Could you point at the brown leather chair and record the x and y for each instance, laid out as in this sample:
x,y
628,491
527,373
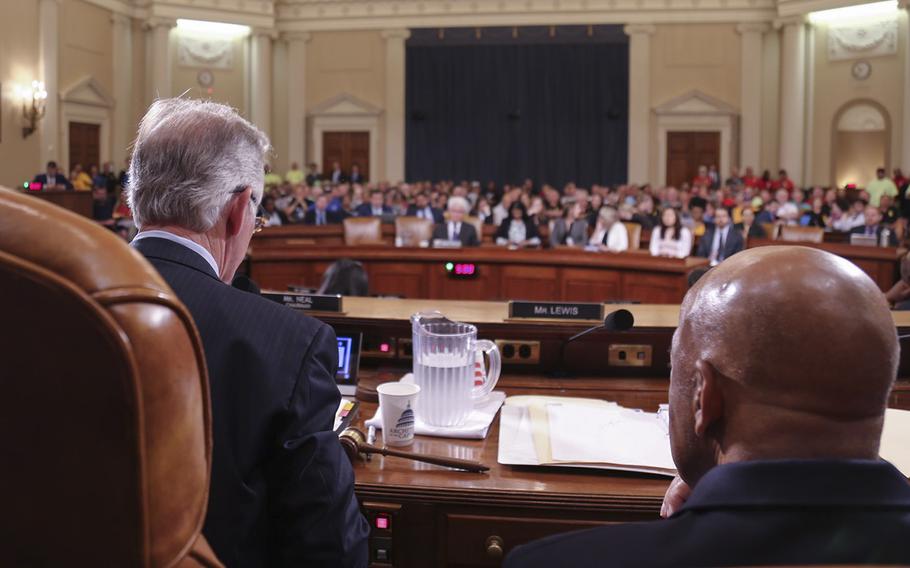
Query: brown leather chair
x,y
413,230
634,232
772,230
796,234
105,426
363,231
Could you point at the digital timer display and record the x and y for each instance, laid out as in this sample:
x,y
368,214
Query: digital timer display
x,y
461,269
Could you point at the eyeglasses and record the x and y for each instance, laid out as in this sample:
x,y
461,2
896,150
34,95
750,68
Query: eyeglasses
x,y
259,222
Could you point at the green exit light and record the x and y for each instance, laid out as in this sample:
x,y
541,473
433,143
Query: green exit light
x,y
25,185
450,266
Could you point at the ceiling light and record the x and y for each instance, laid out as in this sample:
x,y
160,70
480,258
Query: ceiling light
x,y
218,29
855,13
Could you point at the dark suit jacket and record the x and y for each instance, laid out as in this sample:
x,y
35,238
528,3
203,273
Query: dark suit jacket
x,y
756,231
331,217
861,230
282,490
357,178
732,245
438,217
467,235
42,179
756,513
366,210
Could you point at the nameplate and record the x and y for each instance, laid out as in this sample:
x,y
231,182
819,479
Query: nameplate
x,y
308,302
556,310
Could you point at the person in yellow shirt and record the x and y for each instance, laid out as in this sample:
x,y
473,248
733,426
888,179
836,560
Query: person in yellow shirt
x,y
295,175
881,185
80,179
271,178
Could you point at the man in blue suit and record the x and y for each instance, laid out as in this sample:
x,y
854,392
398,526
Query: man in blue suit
x,y
421,208
52,179
282,489
376,206
775,427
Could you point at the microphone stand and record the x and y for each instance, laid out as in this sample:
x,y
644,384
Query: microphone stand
x,y
618,320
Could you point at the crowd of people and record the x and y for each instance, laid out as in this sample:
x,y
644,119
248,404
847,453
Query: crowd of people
x,y
708,216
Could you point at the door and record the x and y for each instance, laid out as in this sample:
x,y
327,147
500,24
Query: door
x,y
348,148
688,150
85,145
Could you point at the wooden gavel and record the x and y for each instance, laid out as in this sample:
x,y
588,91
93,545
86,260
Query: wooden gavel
x,y
355,445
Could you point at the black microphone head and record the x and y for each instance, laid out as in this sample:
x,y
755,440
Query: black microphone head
x,y
246,284
619,320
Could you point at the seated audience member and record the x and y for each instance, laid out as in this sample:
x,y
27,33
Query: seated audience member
x,y
518,229
312,175
273,216
376,207
501,211
571,229
282,488
646,216
609,233
890,213
356,176
776,441
750,228
899,294
697,207
272,179
881,185
294,176
80,179
346,277
671,239
336,175
815,216
484,211
103,204
783,181
52,180
720,241
319,213
421,208
456,229
872,226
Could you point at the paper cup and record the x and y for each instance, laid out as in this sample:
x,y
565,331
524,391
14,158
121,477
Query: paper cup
x,y
397,403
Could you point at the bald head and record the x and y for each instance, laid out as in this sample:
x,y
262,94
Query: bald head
x,y
780,352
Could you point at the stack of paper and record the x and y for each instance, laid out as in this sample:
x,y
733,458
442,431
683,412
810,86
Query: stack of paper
x,y
583,433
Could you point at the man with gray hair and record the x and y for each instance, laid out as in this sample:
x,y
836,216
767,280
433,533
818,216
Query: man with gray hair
x,y
456,229
282,489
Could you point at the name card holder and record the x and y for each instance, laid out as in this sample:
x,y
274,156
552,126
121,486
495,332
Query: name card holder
x,y
307,302
565,311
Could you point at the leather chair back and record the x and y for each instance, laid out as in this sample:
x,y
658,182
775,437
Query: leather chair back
x,y
771,230
105,426
362,231
634,231
413,230
796,234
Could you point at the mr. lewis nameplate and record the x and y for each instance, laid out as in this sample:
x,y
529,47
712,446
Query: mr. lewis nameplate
x,y
308,302
556,310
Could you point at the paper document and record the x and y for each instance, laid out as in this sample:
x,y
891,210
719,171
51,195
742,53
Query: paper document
x,y
585,434
896,440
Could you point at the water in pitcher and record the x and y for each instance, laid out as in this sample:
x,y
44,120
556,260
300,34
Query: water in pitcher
x,y
446,381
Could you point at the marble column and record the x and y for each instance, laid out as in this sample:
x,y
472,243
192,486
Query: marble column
x,y
394,104
793,97
123,129
639,166
296,73
159,83
750,94
261,79
905,138
48,53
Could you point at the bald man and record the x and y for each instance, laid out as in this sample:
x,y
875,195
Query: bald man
x,y
775,424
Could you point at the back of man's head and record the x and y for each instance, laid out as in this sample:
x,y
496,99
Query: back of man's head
x,y
189,155
781,352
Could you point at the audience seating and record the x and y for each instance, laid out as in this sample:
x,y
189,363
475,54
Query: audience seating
x,y
413,230
107,451
771,230
793,233
478,224
634,231
363,231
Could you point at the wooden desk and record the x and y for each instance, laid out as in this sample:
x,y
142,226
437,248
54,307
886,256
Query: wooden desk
x,y
882,264
563,274
442,517
79,202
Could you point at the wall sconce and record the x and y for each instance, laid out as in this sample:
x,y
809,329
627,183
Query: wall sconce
x,y
33,106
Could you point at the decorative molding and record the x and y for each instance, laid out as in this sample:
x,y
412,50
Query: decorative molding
x,y
265,32
296,36
798,20
861,117
345,104
869,38
158,22
695,103
121,19
401,33
753,27
87,91
205,52
639,29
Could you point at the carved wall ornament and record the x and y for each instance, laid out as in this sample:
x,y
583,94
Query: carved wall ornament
x,y
209,53
854,40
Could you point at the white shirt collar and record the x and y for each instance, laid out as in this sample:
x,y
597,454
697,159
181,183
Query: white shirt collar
x,y
193,246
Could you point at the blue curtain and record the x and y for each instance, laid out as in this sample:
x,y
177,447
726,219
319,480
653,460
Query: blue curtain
x,y
550,112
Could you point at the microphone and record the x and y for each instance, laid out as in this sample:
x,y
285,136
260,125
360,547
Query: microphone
x,y
245,283
618,320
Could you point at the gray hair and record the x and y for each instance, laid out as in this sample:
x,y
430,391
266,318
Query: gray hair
x,y
458,201
608,215
188,158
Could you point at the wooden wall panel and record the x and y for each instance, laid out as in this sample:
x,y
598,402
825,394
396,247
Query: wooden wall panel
x,y
398,279
529,283
589,285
